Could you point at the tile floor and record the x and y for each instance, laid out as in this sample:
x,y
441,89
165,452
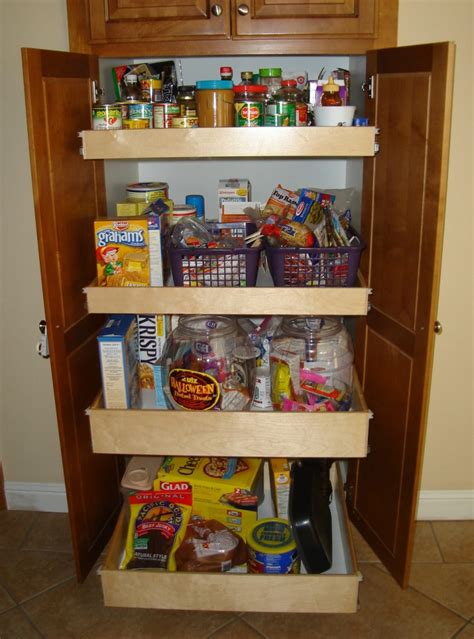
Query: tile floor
x,y
39,596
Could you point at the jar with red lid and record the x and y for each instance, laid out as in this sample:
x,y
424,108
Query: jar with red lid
x,y
249,104
297,109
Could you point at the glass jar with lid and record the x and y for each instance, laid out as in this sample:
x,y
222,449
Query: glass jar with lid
x,y
271,78
249,103
311,365
208,363
215,103
186,100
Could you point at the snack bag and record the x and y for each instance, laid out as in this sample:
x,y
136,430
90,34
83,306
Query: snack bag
x,y
158,521
281,202
209,546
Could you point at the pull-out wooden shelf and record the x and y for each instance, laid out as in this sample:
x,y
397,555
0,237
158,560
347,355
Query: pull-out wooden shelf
x,y
334,591
253,142
229,301
245,434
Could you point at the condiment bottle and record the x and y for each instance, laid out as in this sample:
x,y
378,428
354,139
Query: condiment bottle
x,y
298,110
132,88
246,77
186,100
270,77
331,96
226,73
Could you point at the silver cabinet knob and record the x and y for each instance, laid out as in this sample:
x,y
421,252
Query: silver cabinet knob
x,y
438,328
216,10
243,9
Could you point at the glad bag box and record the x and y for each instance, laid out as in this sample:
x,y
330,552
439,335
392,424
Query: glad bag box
x,y
224,488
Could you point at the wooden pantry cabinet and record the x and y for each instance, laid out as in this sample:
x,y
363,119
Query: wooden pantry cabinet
x,y
404,189
230,27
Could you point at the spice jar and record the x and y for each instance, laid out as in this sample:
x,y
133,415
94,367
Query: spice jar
x,y
215,103
311,364
249,103
208,363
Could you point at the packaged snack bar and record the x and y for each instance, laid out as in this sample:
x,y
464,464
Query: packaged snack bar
x,y
158,521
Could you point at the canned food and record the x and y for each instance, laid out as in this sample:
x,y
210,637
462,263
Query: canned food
x,y
141,111
185,122
271,548
106,116
163,113
147,191
277,119
136,124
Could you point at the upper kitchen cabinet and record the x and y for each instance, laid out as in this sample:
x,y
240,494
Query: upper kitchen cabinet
x,y
142,28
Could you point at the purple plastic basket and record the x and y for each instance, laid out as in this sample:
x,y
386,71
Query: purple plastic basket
x,y
216,267
315,266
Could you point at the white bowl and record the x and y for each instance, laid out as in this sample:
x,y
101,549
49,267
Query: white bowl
x,y
334,115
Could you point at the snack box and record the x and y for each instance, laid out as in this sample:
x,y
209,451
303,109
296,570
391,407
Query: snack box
x,y
233,190
130,209
118,362
130,251
234,211
224,488
280,485
152,333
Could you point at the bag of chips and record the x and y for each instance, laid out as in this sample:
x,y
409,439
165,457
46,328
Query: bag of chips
x,y
158,521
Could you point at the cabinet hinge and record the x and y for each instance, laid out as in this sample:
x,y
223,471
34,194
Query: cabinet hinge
x,y
349,490
369,87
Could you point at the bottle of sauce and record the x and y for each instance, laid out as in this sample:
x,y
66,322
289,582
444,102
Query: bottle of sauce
x,y
132,88
246,78
298,110
226,73
331,95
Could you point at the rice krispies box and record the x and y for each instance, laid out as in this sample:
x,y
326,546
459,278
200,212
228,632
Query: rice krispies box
x,y
130,251
152,333
224,488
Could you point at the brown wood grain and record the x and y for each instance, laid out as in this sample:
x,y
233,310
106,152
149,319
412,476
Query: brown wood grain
x,y
3,499
273,27
68,194
403,220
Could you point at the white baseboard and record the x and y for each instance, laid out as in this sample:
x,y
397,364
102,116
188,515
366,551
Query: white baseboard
x,y
445,504
28,496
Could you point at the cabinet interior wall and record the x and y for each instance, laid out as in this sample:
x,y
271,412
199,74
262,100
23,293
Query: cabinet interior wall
x,y
201,176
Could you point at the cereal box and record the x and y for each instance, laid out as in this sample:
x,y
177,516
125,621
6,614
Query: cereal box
x,y
224,488
118,362
122,251
152,333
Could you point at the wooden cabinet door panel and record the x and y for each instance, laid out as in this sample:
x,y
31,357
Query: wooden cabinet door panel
x,y
114,21
299,18
403,221
68,194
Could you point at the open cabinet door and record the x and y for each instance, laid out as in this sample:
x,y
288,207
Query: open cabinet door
x,y
68,194
403,219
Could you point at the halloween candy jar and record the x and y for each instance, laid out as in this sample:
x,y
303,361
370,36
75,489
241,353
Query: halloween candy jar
x,y
208,363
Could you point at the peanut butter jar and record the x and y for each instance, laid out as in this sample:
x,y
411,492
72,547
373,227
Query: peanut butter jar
x,y
215,103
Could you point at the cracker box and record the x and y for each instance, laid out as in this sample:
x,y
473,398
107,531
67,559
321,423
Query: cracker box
x,y
130,251
280,485
118,362
234,211
224,488
152,333
122,251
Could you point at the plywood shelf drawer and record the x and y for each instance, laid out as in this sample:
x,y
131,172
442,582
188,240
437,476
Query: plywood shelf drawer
x,y
335,591
244,434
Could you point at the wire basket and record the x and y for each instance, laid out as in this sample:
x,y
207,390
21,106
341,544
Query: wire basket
x,y
217,267
315,266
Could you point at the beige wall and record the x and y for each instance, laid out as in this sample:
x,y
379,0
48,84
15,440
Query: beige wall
x,y
28,438
449,451
30,446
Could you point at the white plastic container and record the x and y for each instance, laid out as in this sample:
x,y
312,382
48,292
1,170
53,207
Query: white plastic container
x,y
334,115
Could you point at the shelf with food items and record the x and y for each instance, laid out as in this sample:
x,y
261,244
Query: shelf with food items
x,y
252,142
254,433
334,590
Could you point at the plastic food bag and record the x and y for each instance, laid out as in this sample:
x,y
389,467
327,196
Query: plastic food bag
x,y
158,521
209,546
